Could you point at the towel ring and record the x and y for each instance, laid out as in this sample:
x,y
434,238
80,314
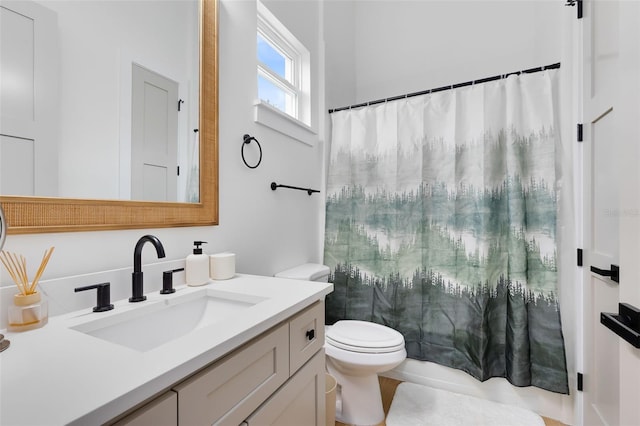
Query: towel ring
x,y
246,139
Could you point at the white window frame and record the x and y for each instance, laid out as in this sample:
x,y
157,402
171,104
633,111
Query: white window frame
x,y
291,82
297,123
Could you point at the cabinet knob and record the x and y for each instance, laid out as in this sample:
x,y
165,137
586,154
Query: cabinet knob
x,y
311,334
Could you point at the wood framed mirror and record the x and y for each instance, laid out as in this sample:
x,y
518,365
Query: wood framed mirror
x,y
29,215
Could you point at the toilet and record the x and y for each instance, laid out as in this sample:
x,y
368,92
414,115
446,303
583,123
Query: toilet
x,y
356,351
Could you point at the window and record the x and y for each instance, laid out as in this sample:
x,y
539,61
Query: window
x,y
282,68
276,77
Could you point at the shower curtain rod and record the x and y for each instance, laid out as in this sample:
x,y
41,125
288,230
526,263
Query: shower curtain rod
x,y
453,86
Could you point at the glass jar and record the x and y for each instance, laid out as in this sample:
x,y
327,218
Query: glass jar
x,y
27,312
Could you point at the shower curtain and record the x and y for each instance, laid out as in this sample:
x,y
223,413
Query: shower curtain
x,y
441,223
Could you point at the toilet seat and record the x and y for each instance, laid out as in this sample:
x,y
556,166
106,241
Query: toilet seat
x,y
364,337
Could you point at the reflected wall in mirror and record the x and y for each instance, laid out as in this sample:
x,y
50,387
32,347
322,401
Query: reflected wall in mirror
x,y
102,99
33,214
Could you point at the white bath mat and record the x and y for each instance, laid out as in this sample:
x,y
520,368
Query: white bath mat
x,y
416,405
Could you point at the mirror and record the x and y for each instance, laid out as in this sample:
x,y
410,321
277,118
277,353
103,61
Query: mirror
x,y
25,214
107,88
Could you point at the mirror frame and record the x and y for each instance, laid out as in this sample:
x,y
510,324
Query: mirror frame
x,y
31,215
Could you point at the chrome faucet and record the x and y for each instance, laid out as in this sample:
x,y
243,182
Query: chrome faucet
x,y
136,278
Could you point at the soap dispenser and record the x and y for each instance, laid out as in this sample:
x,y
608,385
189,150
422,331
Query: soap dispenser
x,y
197,266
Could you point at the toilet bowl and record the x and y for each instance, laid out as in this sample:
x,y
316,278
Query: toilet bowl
x,y
356,351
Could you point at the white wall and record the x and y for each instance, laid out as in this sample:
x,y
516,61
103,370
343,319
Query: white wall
x,y
341,57
269,231
408,46
278,229
385,48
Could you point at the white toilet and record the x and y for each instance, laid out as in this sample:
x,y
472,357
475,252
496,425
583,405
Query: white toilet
x,y
356,352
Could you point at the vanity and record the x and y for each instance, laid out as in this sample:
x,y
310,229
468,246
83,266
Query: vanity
x,y
248,351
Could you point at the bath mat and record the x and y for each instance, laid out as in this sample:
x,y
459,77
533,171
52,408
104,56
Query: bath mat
x,y
416,405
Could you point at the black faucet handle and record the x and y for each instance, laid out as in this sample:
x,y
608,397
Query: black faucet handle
x,y
167,281
103,299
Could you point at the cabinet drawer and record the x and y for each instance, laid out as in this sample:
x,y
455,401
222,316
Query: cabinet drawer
x,y
306,331
162,411
229,390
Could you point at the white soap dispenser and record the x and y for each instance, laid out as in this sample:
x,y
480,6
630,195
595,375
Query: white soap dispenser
x,y
197,266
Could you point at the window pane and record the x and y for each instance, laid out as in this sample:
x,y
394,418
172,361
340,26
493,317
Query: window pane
x,y
272,58
275,96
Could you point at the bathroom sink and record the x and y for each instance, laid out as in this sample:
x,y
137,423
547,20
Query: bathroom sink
x,y
156,323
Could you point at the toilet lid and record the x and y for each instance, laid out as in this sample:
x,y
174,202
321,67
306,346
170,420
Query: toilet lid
x,y
364,337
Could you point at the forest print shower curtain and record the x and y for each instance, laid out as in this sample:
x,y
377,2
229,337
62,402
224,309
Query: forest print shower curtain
x,y
441,223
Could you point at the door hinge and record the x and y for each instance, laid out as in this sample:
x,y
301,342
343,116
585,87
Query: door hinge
x,y
579,132
579,257
574,3
579,15
178,170
580,382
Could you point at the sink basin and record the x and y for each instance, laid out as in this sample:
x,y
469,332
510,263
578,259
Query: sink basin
x,y
156,323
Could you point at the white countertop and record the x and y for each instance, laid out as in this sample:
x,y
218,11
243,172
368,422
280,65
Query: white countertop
x,y
56,375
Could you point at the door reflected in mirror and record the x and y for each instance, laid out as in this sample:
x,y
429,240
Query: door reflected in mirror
x,y
100,99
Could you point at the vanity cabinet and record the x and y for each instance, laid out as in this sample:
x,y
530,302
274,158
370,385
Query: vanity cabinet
x,y
275,379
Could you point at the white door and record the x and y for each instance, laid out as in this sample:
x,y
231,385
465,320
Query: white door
x,y
154,136
628,126
611,207
28,99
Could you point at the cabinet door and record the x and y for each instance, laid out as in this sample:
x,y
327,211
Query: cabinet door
x,y
229,390
306,331
299,402
162,411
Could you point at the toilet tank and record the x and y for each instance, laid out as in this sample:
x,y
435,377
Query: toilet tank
x,y
307,271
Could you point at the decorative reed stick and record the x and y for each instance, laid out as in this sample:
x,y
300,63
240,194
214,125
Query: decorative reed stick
x,y
8,266
17,268
43,265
